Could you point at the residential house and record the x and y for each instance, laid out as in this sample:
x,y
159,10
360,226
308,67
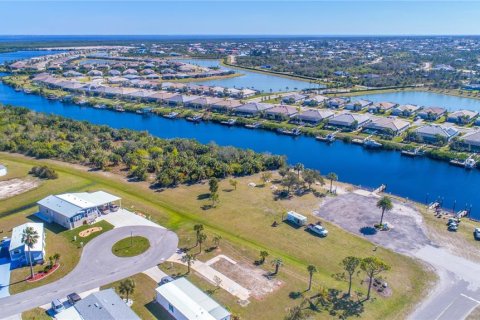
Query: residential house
x,y
358,105
405,110
252,109
71,210
337,103
382,107
280,112
162,97
225,105
435,133
202,102
349,121
313,116
184,301
293,98
179,100
104,305
469,142
94,73
19,254
388,126
462,116
432,113
317,100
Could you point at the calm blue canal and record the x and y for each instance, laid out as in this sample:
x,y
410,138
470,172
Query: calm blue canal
x,y
412,178
19,55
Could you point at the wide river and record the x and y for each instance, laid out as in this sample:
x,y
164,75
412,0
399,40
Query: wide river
x,y
420,179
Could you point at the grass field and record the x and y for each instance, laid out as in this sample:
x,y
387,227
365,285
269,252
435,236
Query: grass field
x,y
243,218
130,247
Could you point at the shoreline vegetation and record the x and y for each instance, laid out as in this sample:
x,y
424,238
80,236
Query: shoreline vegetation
x,y
442,153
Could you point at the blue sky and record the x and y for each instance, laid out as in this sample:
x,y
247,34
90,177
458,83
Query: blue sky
x,y
239,17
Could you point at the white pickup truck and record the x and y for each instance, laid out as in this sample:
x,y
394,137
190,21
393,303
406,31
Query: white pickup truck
x,y
318,229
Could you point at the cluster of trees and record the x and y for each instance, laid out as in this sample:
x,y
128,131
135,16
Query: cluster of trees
x,y
43,172
297,178
168,162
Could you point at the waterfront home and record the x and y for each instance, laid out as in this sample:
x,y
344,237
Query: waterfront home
x,y
72,86
435,133
358,105
337,103
173,86
313,116
202,102
293,98
183,300
382,107
405,110
462,116
349,121
161,96
280,112
19,251
225,105
469,142
179,100
388,126
104,304
130,71
317,100
72,210
141,95
117,80
252,109
72,74
432,113
245,93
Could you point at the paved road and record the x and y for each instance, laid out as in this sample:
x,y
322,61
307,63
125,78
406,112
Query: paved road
x,y
97,267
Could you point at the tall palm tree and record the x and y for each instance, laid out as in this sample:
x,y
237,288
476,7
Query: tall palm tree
x,y
277,262
198,228
263,256
188,259
311,270
386,205
332,176
30,238
127,287
201,239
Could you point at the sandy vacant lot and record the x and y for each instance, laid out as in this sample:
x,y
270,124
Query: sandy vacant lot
x,y
13,187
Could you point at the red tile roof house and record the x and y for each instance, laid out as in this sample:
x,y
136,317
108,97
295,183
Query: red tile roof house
x,y
202,102
382,107
280,112
225,106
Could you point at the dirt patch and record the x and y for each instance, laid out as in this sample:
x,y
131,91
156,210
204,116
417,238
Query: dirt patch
x,y
358,213
248,277
13,187
87,232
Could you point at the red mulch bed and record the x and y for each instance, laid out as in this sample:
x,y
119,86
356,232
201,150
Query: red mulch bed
x,y
39,276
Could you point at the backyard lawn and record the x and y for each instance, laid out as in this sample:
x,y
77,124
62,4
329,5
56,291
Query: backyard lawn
x,y
243,218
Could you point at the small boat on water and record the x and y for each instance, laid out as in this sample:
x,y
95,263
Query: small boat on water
x,y
27,91
119,109
357,141
468,163
329,138
371,144
52,97
144,111
253,125
196,118
417,152
229,122
171,115
82,101
293,132
100,106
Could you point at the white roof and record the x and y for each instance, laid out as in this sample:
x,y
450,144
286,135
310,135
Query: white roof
x,y
296,215
17,233
191,301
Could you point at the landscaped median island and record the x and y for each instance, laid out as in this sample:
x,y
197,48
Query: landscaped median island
x,y
130,247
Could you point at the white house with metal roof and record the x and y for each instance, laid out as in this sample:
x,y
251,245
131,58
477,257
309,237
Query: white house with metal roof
x,y
184,301
75,209
19,251
104,305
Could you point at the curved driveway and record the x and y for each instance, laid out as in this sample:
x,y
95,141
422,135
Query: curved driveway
x,y
97,267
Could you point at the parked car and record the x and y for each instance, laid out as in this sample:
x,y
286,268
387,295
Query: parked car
x,y
73,298
453,226
166,279
57,306
318,229
476,233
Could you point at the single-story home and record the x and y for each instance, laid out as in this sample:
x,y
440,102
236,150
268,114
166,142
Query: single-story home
x,y
469,142
313,116
337,103
293,98
183,301
225,105
202,102
280,112
19,251
462,116
315,100
432,133
71,210
252,109
179,100
405,110
162,97
105,305
358,105
349,120
432,113
389,126
382,107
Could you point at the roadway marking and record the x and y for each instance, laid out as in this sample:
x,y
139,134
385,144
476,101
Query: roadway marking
x,y
444,310
464,295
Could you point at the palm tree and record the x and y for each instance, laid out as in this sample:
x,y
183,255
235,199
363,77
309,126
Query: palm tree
x,y
332,176
127,287
386,205
30,238
56,257
188,259
216,240
311,270
198,228
299,168
263,256
201,239
277,262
